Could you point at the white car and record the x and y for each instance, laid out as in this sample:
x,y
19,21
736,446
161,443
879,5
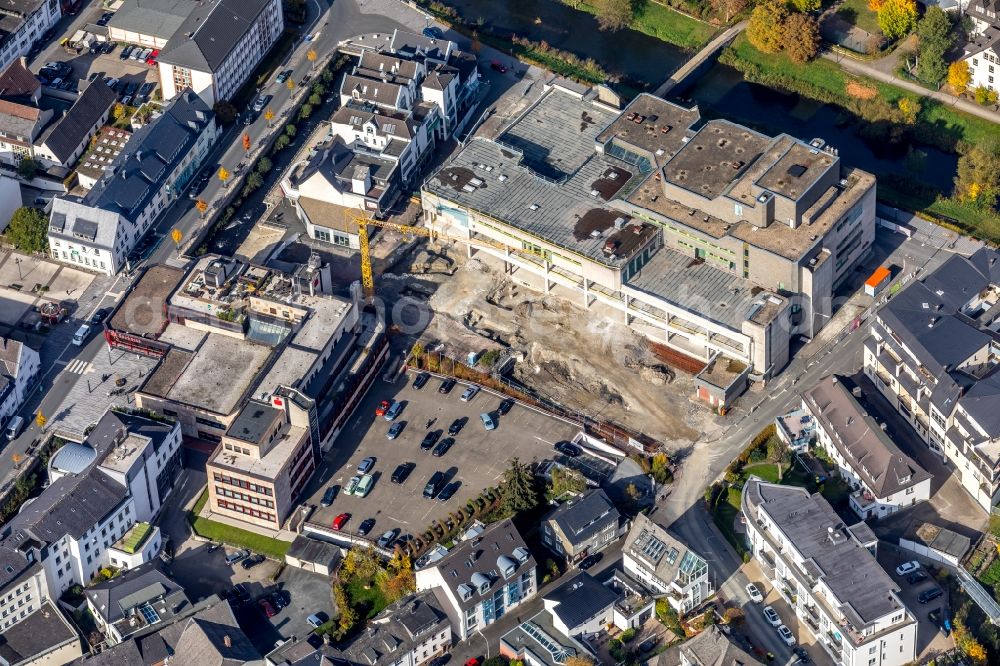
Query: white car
x,y
469,393
785,634
315,621
906,568
771,616
754,594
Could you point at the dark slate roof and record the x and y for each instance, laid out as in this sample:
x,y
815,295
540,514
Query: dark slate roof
x,y
114,598
579,599
70,131
412,45
313,550
35,635
160,18
210,33
125,653
71,505
582,517
396,631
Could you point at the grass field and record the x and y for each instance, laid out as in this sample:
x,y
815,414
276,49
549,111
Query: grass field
x,y
856,12
666,24
767,471
234,536
366,597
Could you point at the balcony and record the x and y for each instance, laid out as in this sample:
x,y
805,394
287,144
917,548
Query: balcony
x,y
863,501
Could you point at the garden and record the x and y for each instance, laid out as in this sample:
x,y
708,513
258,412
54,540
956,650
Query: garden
x,y
234,536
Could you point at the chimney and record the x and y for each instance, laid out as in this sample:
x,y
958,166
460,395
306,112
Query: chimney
x,y
227,641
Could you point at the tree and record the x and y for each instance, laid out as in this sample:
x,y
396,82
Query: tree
x,y
575,660
518,490
225,113
806,5
984,95
255,180
659,467
633,492
224,175
959,76
305,111
311,55
801,37
910,109
269,116
897,18
613,15
290,130
40,419
281,142
875,5
766,29
315,99
27,168
28,230
176,235
290,84
264,165
728,8
246,142
347,615
201,205
978,176
936,37
119,111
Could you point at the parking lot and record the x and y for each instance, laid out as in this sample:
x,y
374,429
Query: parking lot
x,y
477,459
930,637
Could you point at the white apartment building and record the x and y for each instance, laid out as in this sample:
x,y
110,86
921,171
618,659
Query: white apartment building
x,y
482,579
19,366
218,46
884,478
827,572
98,231
666,566
933,352
982,53
22,23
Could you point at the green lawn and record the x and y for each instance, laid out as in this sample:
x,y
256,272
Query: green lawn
x,y
234,536
857,13
725,515
665,24
367,601
766,471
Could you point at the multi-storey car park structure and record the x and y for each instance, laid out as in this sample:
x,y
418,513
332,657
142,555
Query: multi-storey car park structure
x,y
828,573
933,352
711,238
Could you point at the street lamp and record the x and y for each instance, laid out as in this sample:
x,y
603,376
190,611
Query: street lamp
x,y
18,260
481,635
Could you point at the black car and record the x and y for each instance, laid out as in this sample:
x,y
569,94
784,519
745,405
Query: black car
x,y
330,495
434,484
449,491
278,600
929,595
590,560
446,386
505,406
366,526
240,595
421,380
402,471
131,88
100,316
443,447
802,654
567,449
457,425
916,577
252,561
430,439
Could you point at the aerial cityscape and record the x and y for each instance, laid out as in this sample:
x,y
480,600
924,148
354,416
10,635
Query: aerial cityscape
x,y
499,333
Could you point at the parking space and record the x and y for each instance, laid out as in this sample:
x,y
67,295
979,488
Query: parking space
x,y
930,636
203,571
476,459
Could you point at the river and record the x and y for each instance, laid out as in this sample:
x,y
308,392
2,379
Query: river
x,y
646,62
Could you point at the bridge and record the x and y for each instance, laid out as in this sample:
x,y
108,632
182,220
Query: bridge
x,y
706,55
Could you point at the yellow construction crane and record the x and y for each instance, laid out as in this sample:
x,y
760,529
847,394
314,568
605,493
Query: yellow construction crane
x,y
364,220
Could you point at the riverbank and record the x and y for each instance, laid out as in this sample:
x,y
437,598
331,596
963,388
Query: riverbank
x,y
664,23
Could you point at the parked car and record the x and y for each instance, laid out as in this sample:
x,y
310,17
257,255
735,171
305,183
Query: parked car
x,y
785,634
278,600
352,484
590,561
488,421
394,411
442,447
754,593
929,595
126,100
446,386
771,616
382,408
430,439
907,568
567,449
366,526
432,32
341,520
421,380
469,393
261,102
916,577
283,76
366,465
105,17
236,556
241,594
126,52
498,66
316,620
252,561
433,486
505,406
364,485
99,316
387,538
395,429
267,608
457,425
449,491
402,471
329,496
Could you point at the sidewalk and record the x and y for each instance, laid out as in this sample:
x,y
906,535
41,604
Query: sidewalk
x,y
865,69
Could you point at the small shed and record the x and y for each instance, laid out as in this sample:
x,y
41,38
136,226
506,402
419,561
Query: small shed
x,y
310,554
877,281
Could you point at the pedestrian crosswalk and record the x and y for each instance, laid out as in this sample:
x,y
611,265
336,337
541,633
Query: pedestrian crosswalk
x,y
79,367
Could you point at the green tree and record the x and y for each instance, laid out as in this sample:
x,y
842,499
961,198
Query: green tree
x,y
305,111
936,37
225,113
659,467
897,18
255,180
766,29
978,176
806,5
281,142
518,490
27,168
614,14
264,165
28,230
290,130
801,37
315,99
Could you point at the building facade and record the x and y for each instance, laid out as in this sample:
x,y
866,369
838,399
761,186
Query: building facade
x,y
24,23
828,574
666,566
582,526
19,365
982,53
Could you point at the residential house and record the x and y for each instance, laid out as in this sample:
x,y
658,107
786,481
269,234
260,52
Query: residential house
x,y
711,647
582,526
218,46
22,118
482,579
884,479
98,231
982,52
68,138
23,23
44,637
19,365
135,600
666,566
581,606
827,572
933,354
536,641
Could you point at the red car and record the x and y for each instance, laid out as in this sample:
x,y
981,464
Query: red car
x,y
499,66
382,408
268,609
340,521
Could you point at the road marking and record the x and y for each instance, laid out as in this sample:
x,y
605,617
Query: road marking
x,y
80,367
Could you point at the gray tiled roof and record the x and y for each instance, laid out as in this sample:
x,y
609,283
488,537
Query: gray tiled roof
x,y
159,18
582,517
210,33
71,505
709,648
42,631
69,132
655,548
396,631
114,598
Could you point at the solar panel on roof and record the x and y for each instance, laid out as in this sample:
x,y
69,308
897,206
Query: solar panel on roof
x,y
149,613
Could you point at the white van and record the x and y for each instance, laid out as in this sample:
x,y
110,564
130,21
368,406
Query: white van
x,y
81,335
14,427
